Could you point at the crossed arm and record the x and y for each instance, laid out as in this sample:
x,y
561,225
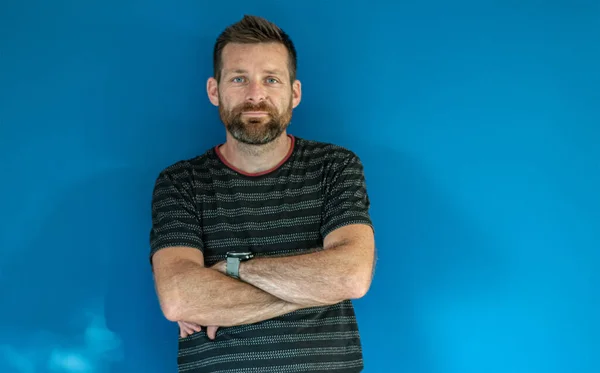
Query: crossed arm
x,y
268,287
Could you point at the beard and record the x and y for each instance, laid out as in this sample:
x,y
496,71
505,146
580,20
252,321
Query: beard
x,y
255,131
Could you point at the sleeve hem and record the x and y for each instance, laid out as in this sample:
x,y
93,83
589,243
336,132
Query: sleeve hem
x,y
345,223
157,248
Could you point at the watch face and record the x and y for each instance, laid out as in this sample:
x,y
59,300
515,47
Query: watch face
x,y
243,255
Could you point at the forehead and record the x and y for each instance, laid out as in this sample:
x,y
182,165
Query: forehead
x,y
259,55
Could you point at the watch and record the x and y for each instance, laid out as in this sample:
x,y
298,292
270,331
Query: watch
x,y
233,262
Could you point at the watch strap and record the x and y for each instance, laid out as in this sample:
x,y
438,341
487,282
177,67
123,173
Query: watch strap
x,y
233,267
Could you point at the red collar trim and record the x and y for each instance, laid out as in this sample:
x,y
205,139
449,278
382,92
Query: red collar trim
x,y
287,156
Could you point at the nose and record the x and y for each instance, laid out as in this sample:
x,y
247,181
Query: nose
x,y
255,92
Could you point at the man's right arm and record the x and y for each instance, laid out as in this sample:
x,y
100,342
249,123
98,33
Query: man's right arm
x,y
188,291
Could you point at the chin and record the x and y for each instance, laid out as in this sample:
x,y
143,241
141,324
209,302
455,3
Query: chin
x,y
256,138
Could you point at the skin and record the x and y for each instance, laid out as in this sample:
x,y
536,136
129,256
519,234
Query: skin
x,y
255,98
255,75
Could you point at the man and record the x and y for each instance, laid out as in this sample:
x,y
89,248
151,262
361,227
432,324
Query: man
x,y
259,244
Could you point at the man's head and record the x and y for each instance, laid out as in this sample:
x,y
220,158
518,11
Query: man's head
x,y
254,83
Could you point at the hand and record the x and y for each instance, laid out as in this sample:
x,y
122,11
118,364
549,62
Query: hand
x,y
187,328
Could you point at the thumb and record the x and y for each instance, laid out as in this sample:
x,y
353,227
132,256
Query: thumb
x,y
212,331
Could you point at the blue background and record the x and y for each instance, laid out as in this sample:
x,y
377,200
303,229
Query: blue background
x,y
478,124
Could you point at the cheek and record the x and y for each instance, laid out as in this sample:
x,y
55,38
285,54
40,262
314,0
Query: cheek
x,y
286,102
225,102
231,99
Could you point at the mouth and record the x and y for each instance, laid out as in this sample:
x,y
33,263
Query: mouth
x,y
255,113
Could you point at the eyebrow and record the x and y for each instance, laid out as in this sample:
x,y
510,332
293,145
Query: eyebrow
x,y
274,72
242,71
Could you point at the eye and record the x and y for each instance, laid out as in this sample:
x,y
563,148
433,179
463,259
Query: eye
x,y
238,79
272,80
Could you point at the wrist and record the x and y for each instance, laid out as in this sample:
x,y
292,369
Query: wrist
x,y
234,261
220,267
242,269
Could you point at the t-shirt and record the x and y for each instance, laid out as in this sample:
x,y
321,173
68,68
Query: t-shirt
x,y
208,204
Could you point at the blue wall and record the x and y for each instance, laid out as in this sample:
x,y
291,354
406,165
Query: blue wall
x,y
478,124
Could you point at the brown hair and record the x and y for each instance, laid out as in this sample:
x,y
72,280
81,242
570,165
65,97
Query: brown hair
x,y
253,29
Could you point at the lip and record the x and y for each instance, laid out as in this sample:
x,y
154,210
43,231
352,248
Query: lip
x,y
255,113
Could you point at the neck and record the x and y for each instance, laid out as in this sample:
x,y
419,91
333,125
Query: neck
x,y
255,158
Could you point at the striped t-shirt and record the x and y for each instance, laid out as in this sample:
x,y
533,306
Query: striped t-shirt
x,y
207,204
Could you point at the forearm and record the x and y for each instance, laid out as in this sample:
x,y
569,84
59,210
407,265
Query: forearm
x,y
206,297
319,278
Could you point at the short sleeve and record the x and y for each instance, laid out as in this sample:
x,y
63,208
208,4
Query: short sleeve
x,y
346,200
175,219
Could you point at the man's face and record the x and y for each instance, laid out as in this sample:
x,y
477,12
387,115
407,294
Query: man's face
x,y
255,96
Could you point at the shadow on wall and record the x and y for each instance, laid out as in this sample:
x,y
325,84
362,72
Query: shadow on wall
x,y
430,255
82,298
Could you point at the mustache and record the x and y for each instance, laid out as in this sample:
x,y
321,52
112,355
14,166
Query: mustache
x,y
261,106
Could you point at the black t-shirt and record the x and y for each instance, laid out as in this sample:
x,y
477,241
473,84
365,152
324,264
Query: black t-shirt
x,y
206,203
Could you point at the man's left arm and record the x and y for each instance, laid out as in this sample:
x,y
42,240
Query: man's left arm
x,y
343,268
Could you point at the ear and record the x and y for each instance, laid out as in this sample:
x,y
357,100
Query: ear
x,y
296,93
212,89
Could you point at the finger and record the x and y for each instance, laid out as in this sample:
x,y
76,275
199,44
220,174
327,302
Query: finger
x,y
193,326
182,332
189,330
212,331
197,327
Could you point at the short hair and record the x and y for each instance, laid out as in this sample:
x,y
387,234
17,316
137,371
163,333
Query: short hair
x,y
249,30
